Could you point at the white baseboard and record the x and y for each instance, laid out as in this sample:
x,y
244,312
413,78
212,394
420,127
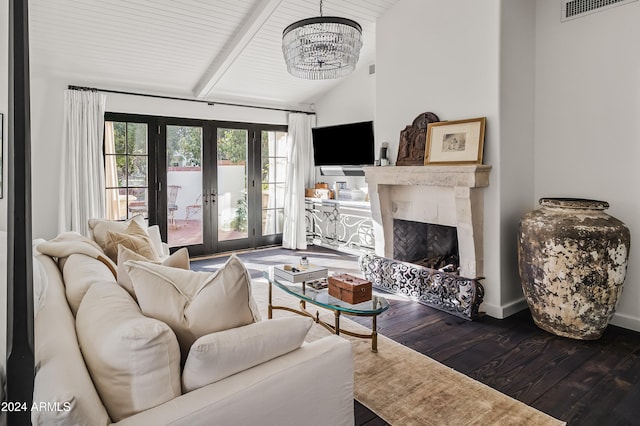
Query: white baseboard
x,y
503,311
625,321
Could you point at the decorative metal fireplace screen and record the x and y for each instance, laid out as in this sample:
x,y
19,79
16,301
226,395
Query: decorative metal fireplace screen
x,y
441,290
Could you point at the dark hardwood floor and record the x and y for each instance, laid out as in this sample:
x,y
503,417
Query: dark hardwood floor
x,y
580,382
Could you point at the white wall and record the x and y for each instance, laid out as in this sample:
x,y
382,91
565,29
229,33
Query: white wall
x,y
587,126
516,172
351,101
47,111
444,57
437,56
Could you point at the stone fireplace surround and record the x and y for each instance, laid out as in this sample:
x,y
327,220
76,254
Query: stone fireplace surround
x,y
450,195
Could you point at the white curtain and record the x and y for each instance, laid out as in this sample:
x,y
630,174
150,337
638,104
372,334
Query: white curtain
x,y
82,181
300,174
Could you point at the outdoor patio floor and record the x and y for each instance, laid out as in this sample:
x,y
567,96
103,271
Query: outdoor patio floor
x,y
185,234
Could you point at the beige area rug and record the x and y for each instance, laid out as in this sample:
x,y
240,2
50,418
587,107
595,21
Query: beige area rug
x,y
405,387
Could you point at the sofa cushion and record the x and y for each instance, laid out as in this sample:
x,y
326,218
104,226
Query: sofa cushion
x,y
81,272
218,355
134,360
179,259
134,238
195,303
68,243
61,378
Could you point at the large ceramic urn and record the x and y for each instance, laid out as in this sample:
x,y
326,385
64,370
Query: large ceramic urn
x,y
572,260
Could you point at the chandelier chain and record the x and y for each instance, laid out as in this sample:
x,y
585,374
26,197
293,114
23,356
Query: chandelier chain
x,y
321,8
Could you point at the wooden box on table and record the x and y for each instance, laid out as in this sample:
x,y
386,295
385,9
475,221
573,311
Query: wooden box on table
x,y
349,288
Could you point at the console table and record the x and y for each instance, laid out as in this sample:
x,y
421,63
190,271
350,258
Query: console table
x,y
340,224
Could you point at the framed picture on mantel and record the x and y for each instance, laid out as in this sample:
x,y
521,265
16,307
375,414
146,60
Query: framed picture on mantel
x,y
455,142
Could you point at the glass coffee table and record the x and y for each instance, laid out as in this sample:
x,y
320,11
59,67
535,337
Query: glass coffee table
x,y
371,308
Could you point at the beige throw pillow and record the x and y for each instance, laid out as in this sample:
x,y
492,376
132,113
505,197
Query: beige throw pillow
x,y
194,303
218,355
134,361
98,228
179,259
156,239
135,238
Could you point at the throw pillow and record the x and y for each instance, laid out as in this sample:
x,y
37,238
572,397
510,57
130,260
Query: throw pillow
x,y
80,272
179,259
161,248
194,303
218,355
98,228
134,238
134,360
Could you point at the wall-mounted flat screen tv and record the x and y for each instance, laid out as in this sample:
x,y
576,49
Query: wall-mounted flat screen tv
x,y
344,145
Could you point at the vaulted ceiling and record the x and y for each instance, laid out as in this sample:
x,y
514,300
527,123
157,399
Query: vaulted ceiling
x,y
225,50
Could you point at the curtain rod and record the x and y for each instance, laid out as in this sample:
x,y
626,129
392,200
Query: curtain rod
x,y
212,103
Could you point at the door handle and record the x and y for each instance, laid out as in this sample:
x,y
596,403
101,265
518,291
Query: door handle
x,y
212,196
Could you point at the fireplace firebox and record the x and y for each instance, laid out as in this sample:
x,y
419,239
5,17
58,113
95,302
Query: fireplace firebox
x,y
426,244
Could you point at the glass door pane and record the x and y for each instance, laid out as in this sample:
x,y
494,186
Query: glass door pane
x,y
126,169
274,169
184,186
232,199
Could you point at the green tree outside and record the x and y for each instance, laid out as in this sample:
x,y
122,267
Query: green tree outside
x,y
184,145
232,145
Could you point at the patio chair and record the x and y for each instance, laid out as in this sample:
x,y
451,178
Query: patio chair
x,y
194,210
172,196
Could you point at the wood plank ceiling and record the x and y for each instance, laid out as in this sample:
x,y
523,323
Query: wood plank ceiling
x,y
225,50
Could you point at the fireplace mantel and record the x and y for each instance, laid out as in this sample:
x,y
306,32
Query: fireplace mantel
x,y
443,195
470,176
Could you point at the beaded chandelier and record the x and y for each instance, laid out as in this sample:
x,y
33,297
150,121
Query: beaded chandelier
x,y
321,48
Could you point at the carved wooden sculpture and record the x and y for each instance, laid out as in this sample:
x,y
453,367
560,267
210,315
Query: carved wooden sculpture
x,y
413,140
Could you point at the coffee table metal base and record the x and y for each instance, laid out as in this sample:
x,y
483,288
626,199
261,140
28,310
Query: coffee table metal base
x,y
335,327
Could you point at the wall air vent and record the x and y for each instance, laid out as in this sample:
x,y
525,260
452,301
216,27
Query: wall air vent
x,y
572,9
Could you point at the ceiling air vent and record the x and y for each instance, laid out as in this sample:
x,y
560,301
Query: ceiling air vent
x,y
572,9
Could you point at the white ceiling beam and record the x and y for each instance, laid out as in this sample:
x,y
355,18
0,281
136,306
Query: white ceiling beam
x,y
230,53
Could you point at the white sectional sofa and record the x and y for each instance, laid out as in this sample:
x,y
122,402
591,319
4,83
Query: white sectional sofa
x,y
311,384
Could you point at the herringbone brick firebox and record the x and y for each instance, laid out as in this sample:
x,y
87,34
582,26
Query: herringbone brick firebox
x,y
426,244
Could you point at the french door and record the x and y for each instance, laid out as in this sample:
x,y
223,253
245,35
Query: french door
x,y
223,185
211,186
